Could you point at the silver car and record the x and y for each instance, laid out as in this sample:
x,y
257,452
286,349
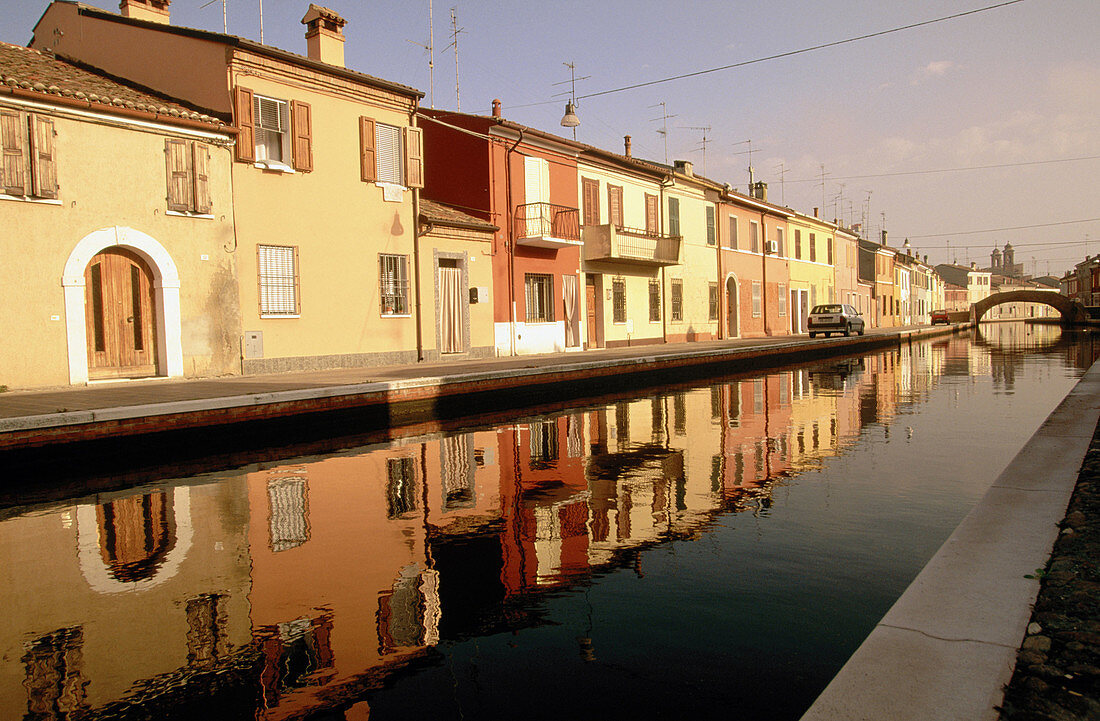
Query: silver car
x,y
834,318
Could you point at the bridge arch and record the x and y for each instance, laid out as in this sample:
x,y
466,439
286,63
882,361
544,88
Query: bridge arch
x,y
1072,311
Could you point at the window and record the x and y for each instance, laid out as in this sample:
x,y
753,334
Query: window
x,y
615,204
272,118
618,300
278,273
782,250
393,274
652,219
757,299
674,217
401,494
733,232
712,232
712,296
677,300
273,132
391,155
188,165
654,300
829,251
540,297
813,248
797,244
28,167
754,236
590,197
782,300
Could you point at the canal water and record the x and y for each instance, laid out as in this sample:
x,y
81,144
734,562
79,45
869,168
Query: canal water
x,y
715,550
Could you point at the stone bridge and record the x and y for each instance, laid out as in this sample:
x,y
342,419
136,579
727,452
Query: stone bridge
x,y
1071,309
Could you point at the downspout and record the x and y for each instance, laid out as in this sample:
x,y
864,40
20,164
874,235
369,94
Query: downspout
x,y
416,250
764,268
721,282
665,183
511,243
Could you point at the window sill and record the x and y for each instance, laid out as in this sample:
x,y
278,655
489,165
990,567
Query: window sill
x,y
397,315
179,214
276,316
274,166
539,322
31,199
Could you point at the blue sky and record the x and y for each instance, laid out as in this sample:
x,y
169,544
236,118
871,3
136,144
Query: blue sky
x,y
905,124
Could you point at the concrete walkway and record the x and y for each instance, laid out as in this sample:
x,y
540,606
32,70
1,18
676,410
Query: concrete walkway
x,y
947,648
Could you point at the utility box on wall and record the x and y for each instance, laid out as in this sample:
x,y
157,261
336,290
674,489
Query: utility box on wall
x,y
253,344
479,294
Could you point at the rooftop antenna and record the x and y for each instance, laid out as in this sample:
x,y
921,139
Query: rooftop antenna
x,y
261,22
823,175
225,16
782,169
455,30
570,119
705,129
430,47
749,142
663,130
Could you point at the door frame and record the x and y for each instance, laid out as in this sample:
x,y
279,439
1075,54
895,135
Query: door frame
x,y
166,295
733,306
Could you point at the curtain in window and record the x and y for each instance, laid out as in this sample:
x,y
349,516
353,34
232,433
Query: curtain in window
x,y
569,291
450,310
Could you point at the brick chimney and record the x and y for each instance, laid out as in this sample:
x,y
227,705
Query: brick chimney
x,y
324,35
152,10
626,146
816,211
496,107
683,166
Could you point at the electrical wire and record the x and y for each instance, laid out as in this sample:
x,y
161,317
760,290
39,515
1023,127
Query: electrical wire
x,y
947,170
999,230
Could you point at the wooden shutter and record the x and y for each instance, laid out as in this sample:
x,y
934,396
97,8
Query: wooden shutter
x,y
246,132
414,157
177,155
368,153
615,204
13,133
591,190
712,231
201,175
301,124
652,222
44,166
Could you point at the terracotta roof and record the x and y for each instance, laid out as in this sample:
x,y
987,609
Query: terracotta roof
x,y
38,72
435,212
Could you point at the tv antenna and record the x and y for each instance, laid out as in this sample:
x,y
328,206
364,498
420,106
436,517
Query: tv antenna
x,y
455,30
663,130
705,129
782,170
225,17
430,47
749,151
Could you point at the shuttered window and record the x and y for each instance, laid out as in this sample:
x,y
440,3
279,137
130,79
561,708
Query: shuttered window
x,y
654,300
733,232
28,167
591,193
712,298
279,284
712,232
387,144
652,215
272,122
757,299
393,272
273,132
188,169
674,217
676,302
414,158
615,205
797,244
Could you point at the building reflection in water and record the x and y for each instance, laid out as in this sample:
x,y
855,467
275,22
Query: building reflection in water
x,y
305,584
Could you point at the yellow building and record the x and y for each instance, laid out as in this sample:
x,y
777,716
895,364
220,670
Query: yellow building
x,y
125,199
691,287
327,163
812,273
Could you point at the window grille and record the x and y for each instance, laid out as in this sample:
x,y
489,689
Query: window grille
x,y
757,299
540,295
713,301
618,299
394,279
677,300
655,300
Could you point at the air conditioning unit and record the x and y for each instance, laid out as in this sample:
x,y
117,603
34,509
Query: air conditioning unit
x,y
771,247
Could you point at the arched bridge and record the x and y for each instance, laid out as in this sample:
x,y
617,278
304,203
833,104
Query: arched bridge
x,y
1071,309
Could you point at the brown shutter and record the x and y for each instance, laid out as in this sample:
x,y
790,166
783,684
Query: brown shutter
x,y
368,154
414,157
13,133
591,201
302,127
44,166
297,284
246,133
201,176
652,222
177,155
615,205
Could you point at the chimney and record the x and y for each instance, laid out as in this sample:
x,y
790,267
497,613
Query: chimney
x,y
884,237
152,10
626,146
973,265
324,35
683,166
926,258
816,211
496,107
759,190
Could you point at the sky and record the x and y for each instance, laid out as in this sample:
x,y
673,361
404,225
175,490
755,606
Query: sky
x,y
960,135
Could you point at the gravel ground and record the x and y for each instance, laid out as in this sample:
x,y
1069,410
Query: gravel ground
x,y
1057,676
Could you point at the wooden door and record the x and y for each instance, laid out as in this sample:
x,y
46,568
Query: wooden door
x,y
120,316
591,316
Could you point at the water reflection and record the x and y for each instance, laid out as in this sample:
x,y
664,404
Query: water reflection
x,y
288,588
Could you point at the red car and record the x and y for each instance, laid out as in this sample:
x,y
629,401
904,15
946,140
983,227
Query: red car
x,y
940,316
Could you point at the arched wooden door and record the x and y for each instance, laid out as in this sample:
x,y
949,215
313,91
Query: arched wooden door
x,y
120,314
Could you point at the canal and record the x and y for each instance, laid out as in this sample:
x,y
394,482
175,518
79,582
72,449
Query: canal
x,y
712,550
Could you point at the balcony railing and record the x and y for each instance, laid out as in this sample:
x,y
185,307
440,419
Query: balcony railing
x,y
630,245
546,225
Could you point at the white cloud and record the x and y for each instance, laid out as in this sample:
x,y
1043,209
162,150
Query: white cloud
x,y
934,69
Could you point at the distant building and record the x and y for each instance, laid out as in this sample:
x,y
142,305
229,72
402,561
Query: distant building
x,y
1004,263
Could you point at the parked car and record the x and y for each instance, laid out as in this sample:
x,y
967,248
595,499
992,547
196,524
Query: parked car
x,y
940,316
834,318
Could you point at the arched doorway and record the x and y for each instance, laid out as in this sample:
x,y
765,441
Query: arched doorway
x,y
731,307
120,315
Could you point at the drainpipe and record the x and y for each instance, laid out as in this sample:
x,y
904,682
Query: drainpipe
x,y
764,268
721,280
665,183
416,253
511,243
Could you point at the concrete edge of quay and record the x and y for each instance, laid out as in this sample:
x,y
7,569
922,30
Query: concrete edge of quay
x,y
51,429
947,648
